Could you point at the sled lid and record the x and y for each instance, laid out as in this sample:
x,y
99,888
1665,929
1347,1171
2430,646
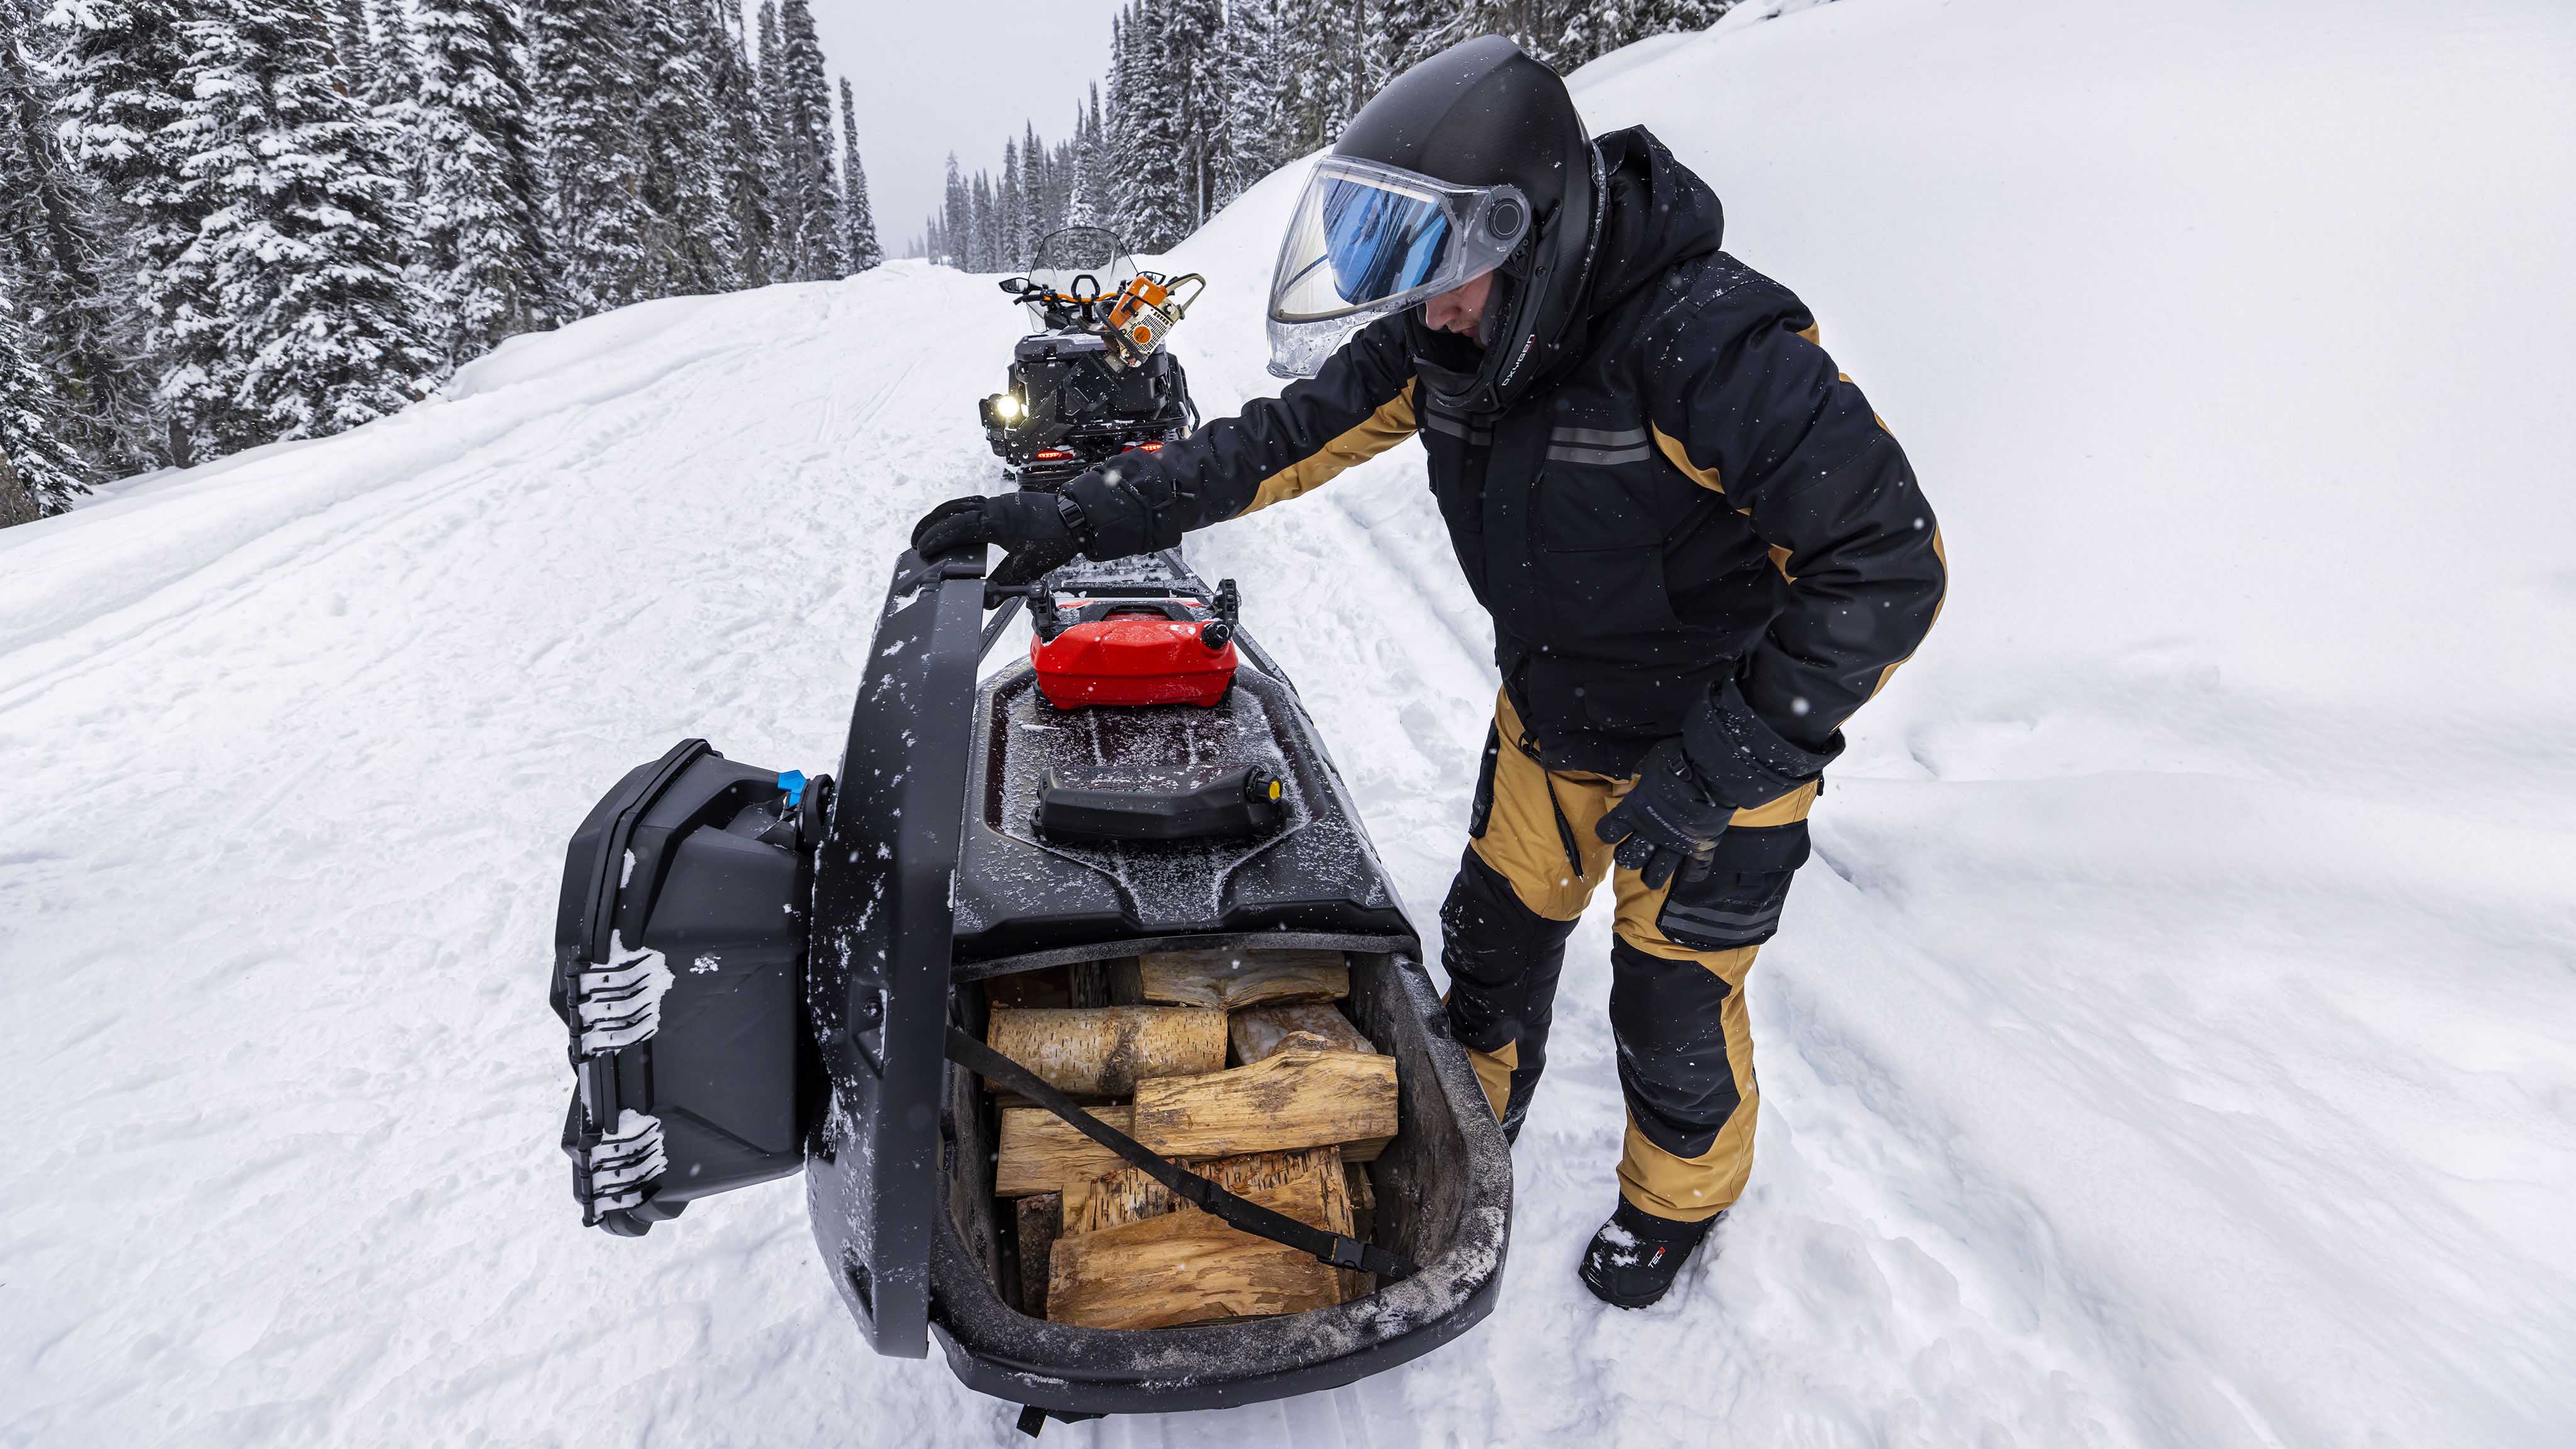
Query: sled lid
x,y
877,975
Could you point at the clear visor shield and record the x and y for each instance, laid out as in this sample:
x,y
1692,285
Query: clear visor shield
x,y
1367,240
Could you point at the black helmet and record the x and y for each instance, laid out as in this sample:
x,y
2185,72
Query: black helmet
x,y
1471,161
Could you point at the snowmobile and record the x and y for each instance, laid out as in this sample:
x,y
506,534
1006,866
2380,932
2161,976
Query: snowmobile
x,y
1094,380
763,972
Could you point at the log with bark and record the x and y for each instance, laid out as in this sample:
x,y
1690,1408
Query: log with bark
x,y
1230,979
1104,1051
1261,1031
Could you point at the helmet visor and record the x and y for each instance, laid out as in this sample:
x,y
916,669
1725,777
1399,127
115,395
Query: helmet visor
x,y
1370,238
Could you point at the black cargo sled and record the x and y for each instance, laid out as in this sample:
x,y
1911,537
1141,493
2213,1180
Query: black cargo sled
x,y
761,972
1094,380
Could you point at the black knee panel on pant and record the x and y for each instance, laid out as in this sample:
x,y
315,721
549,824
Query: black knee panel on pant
x,y
1673,1068
1503,961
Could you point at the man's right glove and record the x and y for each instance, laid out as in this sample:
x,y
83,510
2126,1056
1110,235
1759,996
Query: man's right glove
x,y
1035,527
1667,819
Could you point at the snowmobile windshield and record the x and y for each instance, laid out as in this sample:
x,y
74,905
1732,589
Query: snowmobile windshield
x,y
1368,240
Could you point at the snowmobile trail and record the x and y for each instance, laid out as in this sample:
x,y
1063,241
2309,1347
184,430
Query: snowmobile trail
x,y
2173,1048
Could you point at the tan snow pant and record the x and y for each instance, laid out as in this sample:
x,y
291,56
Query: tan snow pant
x,y
1677,1005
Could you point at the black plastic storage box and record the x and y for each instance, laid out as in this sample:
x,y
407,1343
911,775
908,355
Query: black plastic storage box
x,y
928,876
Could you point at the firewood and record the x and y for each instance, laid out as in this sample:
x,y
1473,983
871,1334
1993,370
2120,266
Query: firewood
x,y
1243,978
1262,1030
1187,1267
1129,1196
1291,1099
1090,983
1105,1050
1041,1152
1040,1223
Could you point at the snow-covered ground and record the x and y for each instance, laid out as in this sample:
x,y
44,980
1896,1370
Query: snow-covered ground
x,y
2174,1043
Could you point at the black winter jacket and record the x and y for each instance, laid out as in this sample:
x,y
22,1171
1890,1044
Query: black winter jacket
x,y
1695,527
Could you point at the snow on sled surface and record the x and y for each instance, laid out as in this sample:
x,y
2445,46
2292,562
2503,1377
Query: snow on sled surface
x,y
2170,1045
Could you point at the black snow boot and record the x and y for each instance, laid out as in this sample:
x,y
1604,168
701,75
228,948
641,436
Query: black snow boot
x,y
1635,1257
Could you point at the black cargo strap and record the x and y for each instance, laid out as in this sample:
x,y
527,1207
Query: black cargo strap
x,y
1188,1186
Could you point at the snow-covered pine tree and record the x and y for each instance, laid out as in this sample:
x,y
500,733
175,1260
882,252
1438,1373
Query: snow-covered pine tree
x,y
1083,195
1118,143
739,158
41,472
1255,88
392,73
690,244
773,105
482,202
1155,195
586,84
1173,179
389,88
313,326
818,236
1588,31
865,251
1036,181
1096,189
349,36
1011,205
983,252
956,219
1193,64
117,97
62,269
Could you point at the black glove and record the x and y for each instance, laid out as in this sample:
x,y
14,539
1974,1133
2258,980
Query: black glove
x,y
1668,819
1033,526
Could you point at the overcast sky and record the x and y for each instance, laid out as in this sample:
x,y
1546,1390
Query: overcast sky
x,y
935,76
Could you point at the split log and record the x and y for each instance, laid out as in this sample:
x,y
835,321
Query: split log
x,y
1090,983
1041,1221
1292,1099
1263,1030
1129,1196
1104,1051
1187,1267
1126,982
1040,1152
1230,979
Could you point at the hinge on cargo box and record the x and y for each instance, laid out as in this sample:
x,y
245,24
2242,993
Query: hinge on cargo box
x,y
624,1162
619,1002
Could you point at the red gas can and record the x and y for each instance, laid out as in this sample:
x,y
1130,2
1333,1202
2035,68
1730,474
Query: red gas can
x,y
1132,653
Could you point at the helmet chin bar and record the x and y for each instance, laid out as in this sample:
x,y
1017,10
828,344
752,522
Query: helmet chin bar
x,y
1300,349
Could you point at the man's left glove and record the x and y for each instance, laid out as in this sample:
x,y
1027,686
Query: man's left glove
x,y
1037,528
1667,820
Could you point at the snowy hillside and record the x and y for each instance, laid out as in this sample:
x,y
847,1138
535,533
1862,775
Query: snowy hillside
x,y
2173,1043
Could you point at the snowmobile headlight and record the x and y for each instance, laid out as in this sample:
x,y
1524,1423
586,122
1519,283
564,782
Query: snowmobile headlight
x,y
1007,407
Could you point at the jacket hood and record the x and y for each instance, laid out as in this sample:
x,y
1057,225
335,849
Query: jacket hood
x,y
1656,214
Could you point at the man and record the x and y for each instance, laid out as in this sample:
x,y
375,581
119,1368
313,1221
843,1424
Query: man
x,y
1701,550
